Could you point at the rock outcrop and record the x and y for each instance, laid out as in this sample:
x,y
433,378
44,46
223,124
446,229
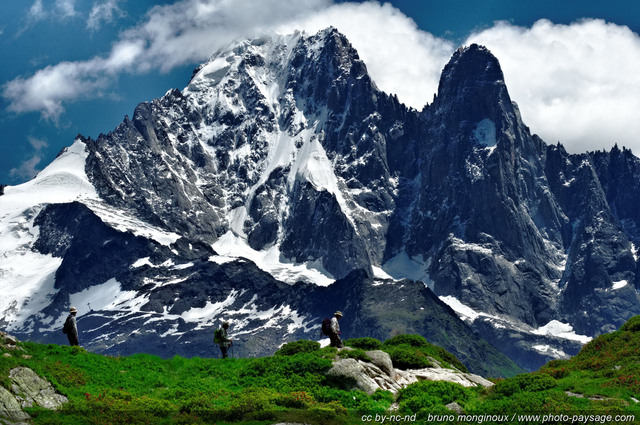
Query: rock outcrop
x,y
27,389
380,374
30,389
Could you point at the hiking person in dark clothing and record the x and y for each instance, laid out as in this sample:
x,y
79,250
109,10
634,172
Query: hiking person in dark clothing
x,y
70,328
222,339
334,335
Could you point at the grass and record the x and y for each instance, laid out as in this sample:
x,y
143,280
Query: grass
x,y
604,378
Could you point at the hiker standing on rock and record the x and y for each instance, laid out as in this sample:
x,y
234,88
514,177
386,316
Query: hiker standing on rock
x,y
70,328
221,338
334,335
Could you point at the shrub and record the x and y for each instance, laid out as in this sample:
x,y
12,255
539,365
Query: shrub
x,y
429,396
66,375
412,340
356,353
528,382
408,357
252,400
364,343
295,347
420,347
632,325
296,400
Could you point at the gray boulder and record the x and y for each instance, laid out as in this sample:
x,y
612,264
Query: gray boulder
x,y
10,407
383,361
30,389
351,370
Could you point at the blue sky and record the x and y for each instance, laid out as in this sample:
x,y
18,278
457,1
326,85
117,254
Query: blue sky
x,y
78,66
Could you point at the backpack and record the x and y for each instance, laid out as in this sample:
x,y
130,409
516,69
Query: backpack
x,y
326,327
66,329
217,336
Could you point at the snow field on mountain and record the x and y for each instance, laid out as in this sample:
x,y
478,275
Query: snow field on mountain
x,y
232,246
27,277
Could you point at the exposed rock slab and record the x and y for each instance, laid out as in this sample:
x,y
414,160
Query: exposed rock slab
x,y
10,407
31,389
380,374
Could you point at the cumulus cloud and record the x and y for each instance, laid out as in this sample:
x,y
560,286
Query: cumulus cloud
x,y
48,88
103,12
400,57
578,84
29,168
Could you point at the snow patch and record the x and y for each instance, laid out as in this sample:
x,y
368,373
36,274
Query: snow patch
x,y
463,311
550,351
271,261
209,312
401,266
27,283
62,181
142,262
125,223
561,330
464,246
619,284
107,296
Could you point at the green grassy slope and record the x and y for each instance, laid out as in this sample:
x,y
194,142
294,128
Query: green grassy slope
x,y
602,381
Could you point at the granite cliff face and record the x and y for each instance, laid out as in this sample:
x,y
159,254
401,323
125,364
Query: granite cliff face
x,y
281,184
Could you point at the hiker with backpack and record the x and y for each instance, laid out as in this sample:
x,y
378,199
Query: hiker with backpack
x,y
70,328
221,338
331,328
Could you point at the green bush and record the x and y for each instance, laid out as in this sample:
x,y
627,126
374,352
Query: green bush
x,y
295,347
529,382
296,400
254,400
421,348
632,325
429,396
364,343
408,357
66,375
356,353
412,340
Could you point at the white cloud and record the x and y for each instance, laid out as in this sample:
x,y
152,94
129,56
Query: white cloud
x,y
401,58
36,12
103,12
48,88
66,8
29,168
578,84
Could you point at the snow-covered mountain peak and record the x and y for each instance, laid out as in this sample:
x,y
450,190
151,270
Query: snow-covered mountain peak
x,y
282,162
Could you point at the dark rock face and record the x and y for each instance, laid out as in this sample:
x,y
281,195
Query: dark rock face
x,y
285,148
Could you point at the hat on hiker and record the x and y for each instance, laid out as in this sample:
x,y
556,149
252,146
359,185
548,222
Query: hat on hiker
x,y
225,324
73,310
338,313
